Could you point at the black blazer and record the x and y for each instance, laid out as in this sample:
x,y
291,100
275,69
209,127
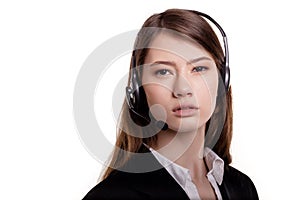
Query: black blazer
x,y
159,184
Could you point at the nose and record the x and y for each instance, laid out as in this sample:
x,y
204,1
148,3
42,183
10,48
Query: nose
x,y
182,88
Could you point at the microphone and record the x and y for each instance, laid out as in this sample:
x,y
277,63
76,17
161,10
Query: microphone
x,y
158,123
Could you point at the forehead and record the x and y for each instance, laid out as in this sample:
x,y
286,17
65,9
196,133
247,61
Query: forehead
x,y
167,44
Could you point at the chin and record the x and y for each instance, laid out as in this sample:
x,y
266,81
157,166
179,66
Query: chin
x,y
186,125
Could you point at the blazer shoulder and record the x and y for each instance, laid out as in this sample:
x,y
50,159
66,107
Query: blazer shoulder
x,y
145,184
149,185
237,185
114,186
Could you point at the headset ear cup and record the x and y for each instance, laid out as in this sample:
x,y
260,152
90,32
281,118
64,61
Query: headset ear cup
x,y
142,106
225,73
227,78
137,101
135,85
129,97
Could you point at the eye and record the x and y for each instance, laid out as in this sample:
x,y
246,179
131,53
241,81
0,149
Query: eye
x,y
162,72
199,69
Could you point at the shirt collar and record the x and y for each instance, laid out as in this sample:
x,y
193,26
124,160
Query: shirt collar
x,y
214,164
177,171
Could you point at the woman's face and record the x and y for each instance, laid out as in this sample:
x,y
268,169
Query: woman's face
x,y
180,80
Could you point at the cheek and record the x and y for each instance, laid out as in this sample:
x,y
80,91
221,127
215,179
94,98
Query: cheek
x,y
206,102
206,93
155,94
157,98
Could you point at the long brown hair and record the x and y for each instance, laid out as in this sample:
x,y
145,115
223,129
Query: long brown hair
x,y
194,26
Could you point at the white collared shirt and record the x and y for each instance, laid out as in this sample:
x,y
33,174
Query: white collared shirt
x,y
182,175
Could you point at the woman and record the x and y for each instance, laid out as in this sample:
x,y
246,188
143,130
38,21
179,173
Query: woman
x,y
175,129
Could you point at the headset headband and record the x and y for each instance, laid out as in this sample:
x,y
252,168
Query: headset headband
x,y
226,75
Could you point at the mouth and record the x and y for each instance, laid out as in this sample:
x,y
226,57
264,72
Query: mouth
x,y
185,110
184,107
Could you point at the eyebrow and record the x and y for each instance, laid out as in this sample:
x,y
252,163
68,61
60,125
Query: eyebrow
x,y
199,59
172,63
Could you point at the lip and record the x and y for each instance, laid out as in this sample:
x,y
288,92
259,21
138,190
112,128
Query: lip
x,y
185,110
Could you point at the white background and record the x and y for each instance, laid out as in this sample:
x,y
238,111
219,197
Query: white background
x,y
44,44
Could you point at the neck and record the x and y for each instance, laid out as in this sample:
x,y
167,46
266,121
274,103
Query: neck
x,y
185,149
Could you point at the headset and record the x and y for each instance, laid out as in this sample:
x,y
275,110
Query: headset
x,y
134,95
